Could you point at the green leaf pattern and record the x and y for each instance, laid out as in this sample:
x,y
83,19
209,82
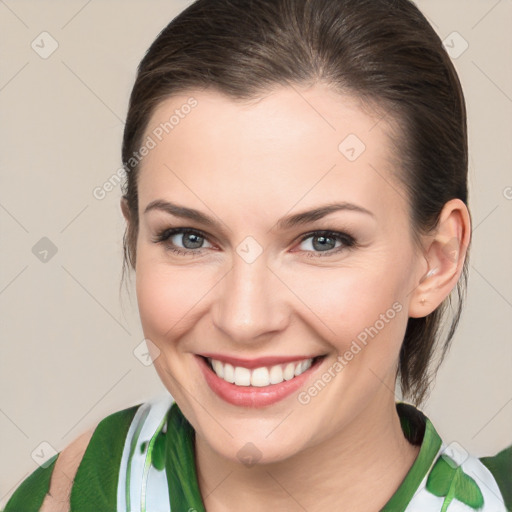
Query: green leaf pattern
x,y
158,454
447,480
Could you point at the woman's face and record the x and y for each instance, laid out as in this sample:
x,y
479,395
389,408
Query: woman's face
x,y
257,286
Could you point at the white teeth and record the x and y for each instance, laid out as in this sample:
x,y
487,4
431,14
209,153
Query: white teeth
x,y
276,374
302,367
289,371
259,377
242,376
217,366
229,373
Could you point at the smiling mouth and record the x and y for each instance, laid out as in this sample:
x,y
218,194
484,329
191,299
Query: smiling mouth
x,y
261,376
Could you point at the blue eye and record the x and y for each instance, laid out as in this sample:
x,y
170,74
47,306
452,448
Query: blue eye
x,y
191,240
324,243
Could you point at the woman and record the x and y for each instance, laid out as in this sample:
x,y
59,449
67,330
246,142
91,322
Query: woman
x,y
297,219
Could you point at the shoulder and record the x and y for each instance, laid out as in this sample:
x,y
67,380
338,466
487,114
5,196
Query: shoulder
x,y
53,482
64,472
500,466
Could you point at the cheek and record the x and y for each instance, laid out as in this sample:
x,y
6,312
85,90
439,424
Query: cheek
x,y
355,309
168,298
344,298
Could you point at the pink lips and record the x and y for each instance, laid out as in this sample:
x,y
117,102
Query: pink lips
x,y
256,397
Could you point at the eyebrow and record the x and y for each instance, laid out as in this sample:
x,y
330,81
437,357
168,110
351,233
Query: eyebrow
x,y
287,222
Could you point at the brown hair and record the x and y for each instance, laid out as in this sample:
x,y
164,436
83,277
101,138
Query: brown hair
x,y
383,52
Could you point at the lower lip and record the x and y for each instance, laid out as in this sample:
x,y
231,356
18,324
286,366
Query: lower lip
x,y
252,396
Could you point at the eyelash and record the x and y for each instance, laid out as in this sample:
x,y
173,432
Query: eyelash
x,y
349,242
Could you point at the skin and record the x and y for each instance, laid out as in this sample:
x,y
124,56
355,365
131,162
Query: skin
x,y
248,165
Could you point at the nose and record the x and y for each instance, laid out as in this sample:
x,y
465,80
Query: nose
x,y
250,302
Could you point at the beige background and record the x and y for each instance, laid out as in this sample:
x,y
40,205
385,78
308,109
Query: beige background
x,y
67,345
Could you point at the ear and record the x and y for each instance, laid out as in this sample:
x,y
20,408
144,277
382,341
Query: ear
x,y
445,253
125,209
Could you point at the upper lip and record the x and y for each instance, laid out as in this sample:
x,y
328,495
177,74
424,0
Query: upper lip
x,y
259,361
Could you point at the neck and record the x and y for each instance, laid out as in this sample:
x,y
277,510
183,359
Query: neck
x,y
370,452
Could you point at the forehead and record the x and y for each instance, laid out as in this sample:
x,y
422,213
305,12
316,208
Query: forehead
x,y
309,145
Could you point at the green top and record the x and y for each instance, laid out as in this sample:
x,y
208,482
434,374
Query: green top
x,y
140,459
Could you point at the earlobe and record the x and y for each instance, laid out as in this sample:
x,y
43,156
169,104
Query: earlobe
x,y
445,254
125,209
